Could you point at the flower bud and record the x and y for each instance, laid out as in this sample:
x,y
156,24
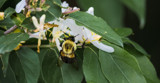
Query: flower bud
x,y
1,15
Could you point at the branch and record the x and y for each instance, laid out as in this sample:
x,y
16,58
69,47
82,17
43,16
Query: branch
x,y
35,46
11,29
71,11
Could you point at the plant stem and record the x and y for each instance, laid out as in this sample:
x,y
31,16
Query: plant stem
x,y
10,29
35,46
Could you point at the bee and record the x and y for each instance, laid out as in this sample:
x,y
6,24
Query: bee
x,y
69,47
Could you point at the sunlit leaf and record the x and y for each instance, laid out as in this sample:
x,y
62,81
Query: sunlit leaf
x,y
97,25
10,41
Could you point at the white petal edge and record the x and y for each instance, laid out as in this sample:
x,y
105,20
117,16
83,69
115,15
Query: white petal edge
x,y
64,4
20,6
36,35
103,47
90,11
58,44
35,22
42,19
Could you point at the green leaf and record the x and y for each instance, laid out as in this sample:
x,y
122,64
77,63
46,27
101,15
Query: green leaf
x,y
135,45
54,10
91,67
8,12
139,7
7,22
1,33
2,79
18,19
27,23
50,69
49,16
97,25
57,2
111,11
16,66
148,69
123,32
10,41
5,58
30,64
56,73
146,66
120,64
2,2
10,77
115,66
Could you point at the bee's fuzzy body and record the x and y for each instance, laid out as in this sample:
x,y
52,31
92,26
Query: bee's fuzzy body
x,y
68,49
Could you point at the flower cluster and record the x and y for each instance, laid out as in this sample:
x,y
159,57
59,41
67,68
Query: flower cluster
x,y
67,25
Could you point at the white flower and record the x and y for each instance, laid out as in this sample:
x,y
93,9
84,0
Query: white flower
x,y
81,33
20,6
90,11
67,10
64,4
40,30
94,37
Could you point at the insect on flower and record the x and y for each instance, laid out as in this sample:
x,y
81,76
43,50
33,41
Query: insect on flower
x,y
68,48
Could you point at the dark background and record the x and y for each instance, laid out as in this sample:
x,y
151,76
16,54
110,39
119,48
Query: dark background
x,y
149,37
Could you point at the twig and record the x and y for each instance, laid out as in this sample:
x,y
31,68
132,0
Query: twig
x,y
71,11
11,29
35,46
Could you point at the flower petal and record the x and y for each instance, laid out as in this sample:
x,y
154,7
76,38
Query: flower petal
x,y
103,47
64,4
58,44
20,6
36,35
35,22
88,34
90,11
42,19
